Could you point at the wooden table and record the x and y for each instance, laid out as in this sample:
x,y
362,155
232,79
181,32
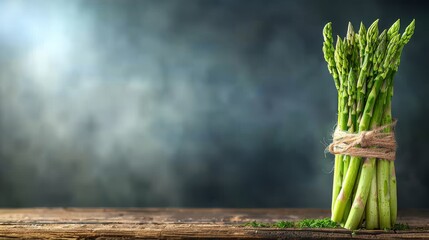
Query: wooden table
x,y
162,223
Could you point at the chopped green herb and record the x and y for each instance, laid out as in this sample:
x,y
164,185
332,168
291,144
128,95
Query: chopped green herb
x,y
312,223
305,223
284,224
317,223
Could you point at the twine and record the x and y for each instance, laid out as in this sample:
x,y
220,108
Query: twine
x,y
371,144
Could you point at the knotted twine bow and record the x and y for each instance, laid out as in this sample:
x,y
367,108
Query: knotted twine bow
x,y
371,144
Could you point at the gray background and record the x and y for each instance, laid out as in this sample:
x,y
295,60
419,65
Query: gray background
x,y
188,103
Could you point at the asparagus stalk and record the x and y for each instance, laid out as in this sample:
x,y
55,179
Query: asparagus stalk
x,y
372,214
392,172
341,60
383,165
353,55
328,51
386,174
405,38
351,127
361,88
387,119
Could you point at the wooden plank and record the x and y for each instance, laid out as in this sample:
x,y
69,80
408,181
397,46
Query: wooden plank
x,y
175,223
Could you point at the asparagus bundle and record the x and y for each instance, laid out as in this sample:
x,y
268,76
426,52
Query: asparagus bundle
x,y
363,65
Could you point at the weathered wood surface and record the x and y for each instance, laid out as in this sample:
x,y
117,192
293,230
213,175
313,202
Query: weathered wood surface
x,y
152,223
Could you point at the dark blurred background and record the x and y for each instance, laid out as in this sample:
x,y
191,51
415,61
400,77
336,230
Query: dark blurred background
x,y
192,103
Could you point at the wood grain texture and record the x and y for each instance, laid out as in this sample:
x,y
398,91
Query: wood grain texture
x,y
154,223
